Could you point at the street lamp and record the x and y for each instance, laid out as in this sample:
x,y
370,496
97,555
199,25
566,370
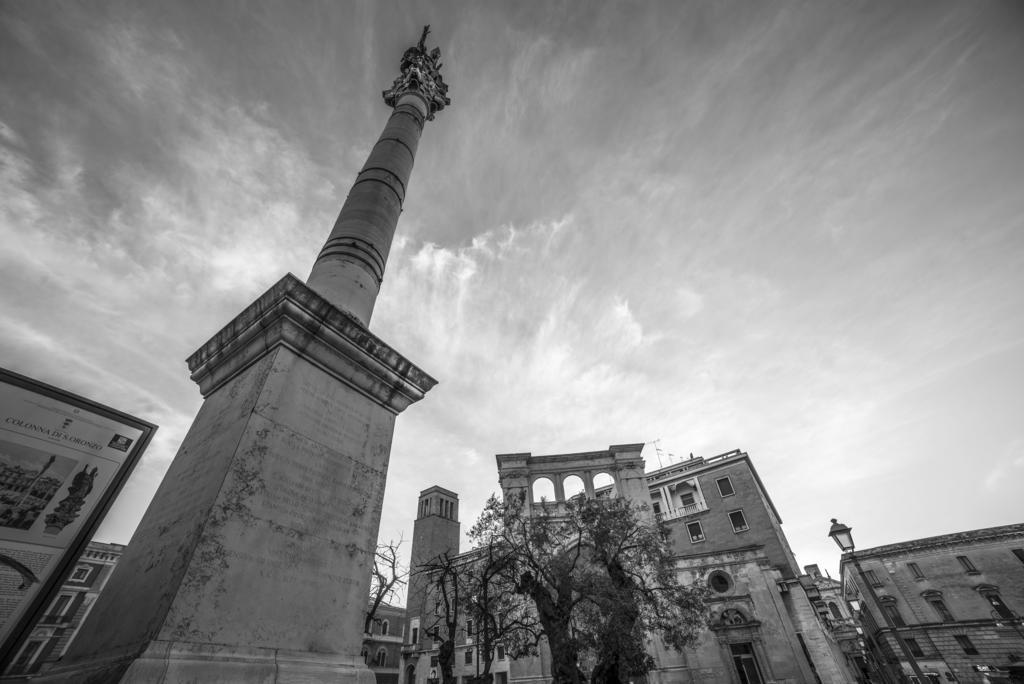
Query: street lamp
x,y
843,537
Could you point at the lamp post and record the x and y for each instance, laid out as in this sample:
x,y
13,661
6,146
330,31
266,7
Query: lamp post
x,y
843,537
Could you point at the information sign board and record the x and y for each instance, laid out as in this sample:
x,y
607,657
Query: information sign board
x,y
63,459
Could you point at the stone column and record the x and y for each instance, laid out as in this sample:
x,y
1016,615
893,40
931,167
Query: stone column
x,y
349,270
252,562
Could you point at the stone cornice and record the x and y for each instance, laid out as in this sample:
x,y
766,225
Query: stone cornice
x,y
292,315
955,540
740,554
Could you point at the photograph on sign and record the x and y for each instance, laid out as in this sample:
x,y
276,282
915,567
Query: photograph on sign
x,y
58,461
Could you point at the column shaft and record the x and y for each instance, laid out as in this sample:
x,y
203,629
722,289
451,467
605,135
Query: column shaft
x,y
349,270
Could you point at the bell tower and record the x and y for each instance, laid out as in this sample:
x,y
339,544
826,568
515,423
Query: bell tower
x,y
435,531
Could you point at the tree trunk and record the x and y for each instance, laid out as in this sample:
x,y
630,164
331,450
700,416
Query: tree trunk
x,y
555,622
446,659
610,666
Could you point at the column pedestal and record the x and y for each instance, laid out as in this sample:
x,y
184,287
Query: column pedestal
x,y
252,562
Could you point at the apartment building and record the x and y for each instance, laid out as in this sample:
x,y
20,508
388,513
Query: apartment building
x,y
955,601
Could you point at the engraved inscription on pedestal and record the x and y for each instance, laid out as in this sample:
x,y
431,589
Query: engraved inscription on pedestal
x,y
300,506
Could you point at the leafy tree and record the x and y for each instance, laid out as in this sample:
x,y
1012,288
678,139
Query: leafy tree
x,y
498,613
600,578
386,578
640,594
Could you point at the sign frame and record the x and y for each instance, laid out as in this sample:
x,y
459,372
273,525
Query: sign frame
x,y
87,528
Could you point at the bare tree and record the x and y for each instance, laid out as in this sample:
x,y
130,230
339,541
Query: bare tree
x,y
473,598
386,578
446,581
500,616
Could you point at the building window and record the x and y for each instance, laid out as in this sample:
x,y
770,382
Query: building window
x,y
991,595
968,565
835,611
719,582
28,653
365,653
746,663
381,659
915,648
469,656
433,661
696,531
415,635
1019,553
916,569
739,523
384,628
940,607
687,499
469,628
872,578
60,606
891,611
656,506
80,574
725,487
501,652
965,643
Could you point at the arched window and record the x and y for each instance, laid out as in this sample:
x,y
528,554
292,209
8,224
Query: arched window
x,y
888,604
835,611
384,627
732,617
991,594
543,490
365,654
934,599
572,486
381,659
604,485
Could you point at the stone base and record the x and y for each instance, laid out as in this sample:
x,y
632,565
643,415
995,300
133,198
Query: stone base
x,y
175,662
252,563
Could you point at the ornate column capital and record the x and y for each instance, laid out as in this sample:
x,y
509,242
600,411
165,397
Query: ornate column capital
x,y
421,76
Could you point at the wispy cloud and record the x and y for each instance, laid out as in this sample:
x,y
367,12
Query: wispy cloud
x,y
788,230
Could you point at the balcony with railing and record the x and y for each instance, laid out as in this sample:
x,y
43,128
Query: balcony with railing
x,y
683,511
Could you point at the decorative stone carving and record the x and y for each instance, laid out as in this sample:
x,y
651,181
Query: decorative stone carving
x,y
421,75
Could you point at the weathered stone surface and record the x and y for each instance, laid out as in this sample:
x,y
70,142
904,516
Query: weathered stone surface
x,y
291,314
259,540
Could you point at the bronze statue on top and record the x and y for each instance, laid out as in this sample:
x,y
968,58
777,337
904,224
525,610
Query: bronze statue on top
x,y
421,74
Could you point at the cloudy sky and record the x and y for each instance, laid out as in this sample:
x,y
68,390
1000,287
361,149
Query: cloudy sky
x,y
795,228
